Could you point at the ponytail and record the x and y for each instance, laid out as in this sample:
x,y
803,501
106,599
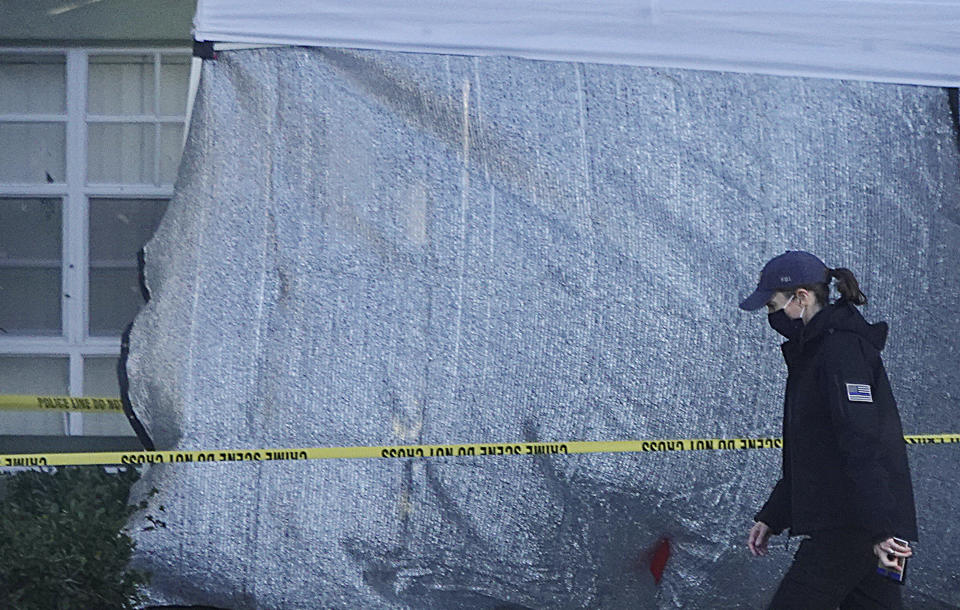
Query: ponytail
x,y
847,285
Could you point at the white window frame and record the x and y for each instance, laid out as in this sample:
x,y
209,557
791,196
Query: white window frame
x,y
75,341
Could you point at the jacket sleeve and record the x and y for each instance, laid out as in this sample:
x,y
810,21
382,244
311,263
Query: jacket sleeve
x,y
776,512
857,413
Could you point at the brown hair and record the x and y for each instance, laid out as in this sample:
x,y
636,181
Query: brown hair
x,y
847,286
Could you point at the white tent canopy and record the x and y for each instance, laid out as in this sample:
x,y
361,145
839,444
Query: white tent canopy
x,y
901,41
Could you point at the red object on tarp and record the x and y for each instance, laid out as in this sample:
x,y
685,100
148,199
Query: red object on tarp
x,y
658,559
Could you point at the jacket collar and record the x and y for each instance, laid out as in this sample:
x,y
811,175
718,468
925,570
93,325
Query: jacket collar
x,y
839,316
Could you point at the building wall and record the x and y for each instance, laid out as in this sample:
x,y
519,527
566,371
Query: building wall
x,y
92,117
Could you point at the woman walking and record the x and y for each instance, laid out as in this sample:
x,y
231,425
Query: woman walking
x,y
845,481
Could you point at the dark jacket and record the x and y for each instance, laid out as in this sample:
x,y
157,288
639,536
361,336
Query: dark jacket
x,y
844,457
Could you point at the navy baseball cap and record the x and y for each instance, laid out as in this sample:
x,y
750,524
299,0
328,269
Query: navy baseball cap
x,y
792,268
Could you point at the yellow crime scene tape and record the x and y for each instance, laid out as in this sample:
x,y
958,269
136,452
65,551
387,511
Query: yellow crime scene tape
x,y
97,405
418,451
85,404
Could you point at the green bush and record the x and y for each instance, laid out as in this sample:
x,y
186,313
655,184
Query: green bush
x,y
62,544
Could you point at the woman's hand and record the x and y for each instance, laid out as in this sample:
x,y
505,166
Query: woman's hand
x,y
889,551
757,540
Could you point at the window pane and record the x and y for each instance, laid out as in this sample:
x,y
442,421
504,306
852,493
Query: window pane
x,y
30,301
31,375
120,84
174,83
115,299
120,227
100,379
30,230
171,145
30,251
32,84
32,153
121,153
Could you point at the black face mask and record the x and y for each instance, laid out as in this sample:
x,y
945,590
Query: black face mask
x,y
780,322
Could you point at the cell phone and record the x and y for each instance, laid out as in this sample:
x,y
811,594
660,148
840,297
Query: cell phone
x,y
898,576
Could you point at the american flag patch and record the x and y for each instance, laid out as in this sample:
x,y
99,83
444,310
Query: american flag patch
x,y
859,392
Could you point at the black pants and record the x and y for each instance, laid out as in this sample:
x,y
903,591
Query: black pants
x,y
836,569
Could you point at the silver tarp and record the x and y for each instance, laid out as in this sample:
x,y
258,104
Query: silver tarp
x,y
374,248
